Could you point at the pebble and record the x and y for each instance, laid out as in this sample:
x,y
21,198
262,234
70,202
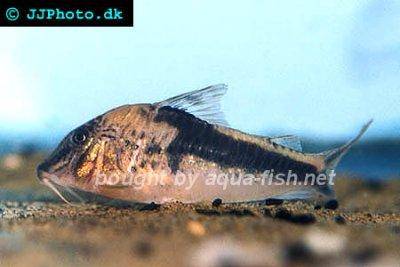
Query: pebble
x,y
324,243
298,252
12,162
143,249
266,212
306,218
332,204
339,219
150,207
217,202
223,251
317,207
284,214
196,228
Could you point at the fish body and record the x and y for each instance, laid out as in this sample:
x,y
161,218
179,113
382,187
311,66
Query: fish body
x,y
181,149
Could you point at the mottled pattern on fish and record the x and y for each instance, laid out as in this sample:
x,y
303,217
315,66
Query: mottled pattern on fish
x,y
165,140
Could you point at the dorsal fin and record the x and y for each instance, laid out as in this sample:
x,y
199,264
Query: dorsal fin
x,y
204,103
290,141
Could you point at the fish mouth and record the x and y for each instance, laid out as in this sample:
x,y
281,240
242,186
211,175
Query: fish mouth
x,y
42,173
52,181
45,178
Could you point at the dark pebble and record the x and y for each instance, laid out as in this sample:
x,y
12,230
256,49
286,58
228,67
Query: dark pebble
x,y
307,218
284,214
339,219
298,252
317,207
143,249
217,202
273,202
331,204
150,207
266,212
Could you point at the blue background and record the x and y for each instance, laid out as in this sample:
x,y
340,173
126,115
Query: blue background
x,y
318,69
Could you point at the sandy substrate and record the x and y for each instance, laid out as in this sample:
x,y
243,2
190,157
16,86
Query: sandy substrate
x,y
36,230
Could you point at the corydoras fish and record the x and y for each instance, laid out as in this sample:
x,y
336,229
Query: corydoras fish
x,y
181,149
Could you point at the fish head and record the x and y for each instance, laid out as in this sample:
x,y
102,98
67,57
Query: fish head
x,y
73,162
104,150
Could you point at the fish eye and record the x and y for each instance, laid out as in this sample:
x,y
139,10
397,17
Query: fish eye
x,y
80,136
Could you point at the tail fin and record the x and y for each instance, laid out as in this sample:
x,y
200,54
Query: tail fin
x,y
323,193
332,157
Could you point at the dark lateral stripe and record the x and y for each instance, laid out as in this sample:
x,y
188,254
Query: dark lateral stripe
x,y
197,137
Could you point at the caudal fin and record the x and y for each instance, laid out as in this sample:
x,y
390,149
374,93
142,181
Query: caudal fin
x,y
333,157
324,193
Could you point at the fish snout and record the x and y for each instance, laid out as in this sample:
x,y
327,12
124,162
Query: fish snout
x,y
42,171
